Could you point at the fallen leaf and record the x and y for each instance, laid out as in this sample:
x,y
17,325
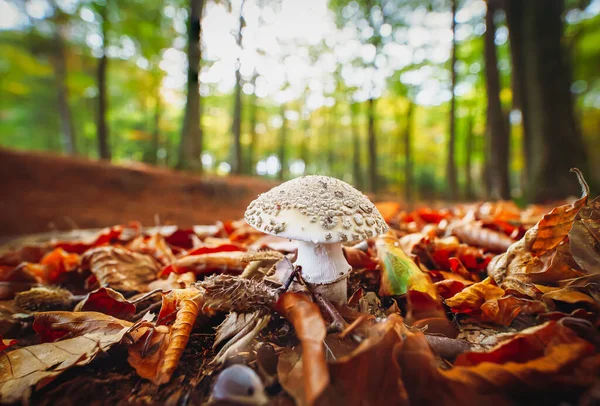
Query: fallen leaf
x,y
6,343
369,375
155,246
504,310
156,353
388,210
584,237
107,301
399,273
571,295
35,366
173,281
562,372
106,236
120,269
471,298
523,256
311,331
223,262
212,248
52,326
473,233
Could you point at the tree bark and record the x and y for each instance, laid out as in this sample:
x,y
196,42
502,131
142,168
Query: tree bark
x,y
499,144
101,124
469,159
372,146
236,126
190,147
450,163
408,153
553,141
282,145
356,172
60,75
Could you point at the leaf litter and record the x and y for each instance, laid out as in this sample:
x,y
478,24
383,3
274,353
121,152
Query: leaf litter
x,y
471,304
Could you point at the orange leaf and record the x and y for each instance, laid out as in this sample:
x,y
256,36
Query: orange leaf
x,y
505,309
472,297
156,353
388,210
223,262
311,331
5,343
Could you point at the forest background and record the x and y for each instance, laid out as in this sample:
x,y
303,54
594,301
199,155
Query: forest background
x,y
436,99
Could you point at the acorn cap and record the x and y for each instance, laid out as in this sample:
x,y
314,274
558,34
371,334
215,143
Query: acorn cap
x,y
317,209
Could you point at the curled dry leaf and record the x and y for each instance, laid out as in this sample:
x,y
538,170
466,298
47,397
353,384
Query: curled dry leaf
x,y
311,331
584,237
107,301
121,269
473,233
156,353
173,281
523,256
106,236
223,262
504,310
155,246
37,365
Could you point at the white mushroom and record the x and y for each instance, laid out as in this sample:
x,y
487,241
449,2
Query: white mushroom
x,y
321,213
239,384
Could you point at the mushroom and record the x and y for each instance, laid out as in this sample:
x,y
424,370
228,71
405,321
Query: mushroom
x,y
321,213
239,384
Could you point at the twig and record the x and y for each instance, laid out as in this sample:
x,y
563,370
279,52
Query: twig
x,y
338,324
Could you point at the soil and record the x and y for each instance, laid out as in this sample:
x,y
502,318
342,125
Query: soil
x,y
42,192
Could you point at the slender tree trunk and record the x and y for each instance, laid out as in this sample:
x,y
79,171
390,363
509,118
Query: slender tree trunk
x,y
372,145
514,20
190,146
356,172
408,153
156,129
469,159
236,127
554,143
497,128
282,145
64,109
101,125
251,160
450,162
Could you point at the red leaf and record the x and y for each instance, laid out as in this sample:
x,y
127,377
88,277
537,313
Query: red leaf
x,y
107,301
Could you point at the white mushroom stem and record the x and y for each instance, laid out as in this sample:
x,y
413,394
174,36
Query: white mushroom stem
x,y
325,268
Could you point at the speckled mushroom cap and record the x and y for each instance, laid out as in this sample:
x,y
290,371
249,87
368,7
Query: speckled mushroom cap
x,y
319,209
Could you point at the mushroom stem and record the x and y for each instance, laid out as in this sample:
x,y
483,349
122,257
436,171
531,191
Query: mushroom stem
x,y
325,269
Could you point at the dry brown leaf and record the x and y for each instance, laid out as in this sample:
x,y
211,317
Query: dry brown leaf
x,y
33,367
522,257
311,331
571,295
505,309
52,326
369,375
473,233
156,353
120,269
562,372
584,237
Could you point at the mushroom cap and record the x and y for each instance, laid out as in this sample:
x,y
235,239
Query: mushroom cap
x,y
317,209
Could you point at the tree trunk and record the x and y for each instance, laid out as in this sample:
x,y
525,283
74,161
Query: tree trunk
x,y
156,129
64,109
101,125
356,173
282,145
236,126
372,146
190,146
250,159
497,128
468,159
553,141
408,153
450,163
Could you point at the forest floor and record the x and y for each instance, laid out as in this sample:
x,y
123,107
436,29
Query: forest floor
x,y
43,192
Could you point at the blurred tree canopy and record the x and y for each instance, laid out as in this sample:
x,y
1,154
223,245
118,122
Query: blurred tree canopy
x,y
452,99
